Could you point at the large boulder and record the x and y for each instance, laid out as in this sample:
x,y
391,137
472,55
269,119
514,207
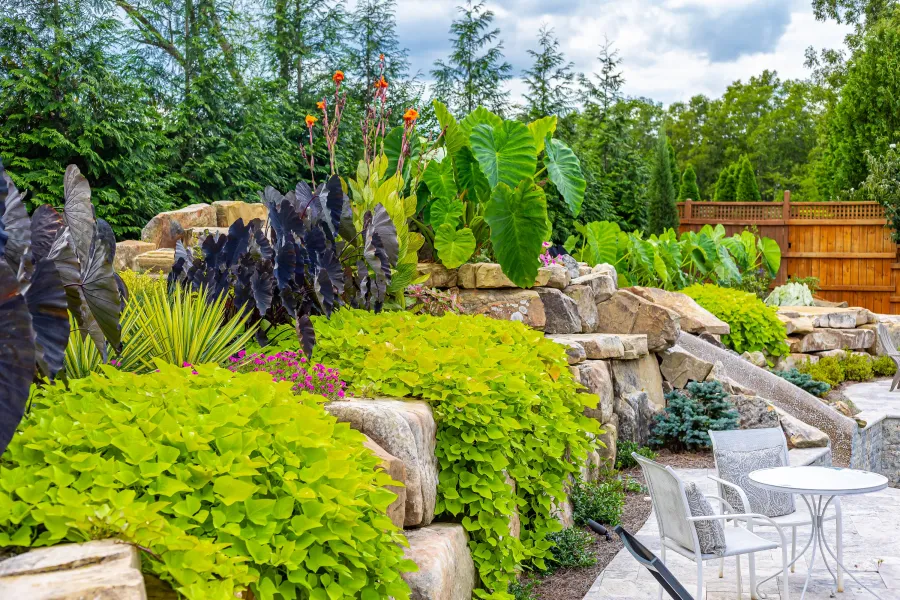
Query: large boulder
x,y
800,434
636,414
756,412
155,261
718,373
583,296
195,235
105,569
601,283
561,311
641,375
693,318
128,250
795,323
833,339
394,467
229,211
507,305
559,277
599,346
830,317
678,367
491,276
625,312
609,437
446,570
439,276
158,230
596,376
404,429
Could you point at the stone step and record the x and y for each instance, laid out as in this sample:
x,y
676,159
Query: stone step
x,y
155,261
128,250
619,346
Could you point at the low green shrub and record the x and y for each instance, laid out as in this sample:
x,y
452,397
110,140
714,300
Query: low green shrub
x,y
229,480
804,381
523,589
624,448
884,366
140,285
754,326
828,369
857,367
571,548
601,501
690,414
509,409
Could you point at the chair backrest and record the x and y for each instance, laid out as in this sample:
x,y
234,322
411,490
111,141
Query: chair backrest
x,y
885,339
669,503
744,440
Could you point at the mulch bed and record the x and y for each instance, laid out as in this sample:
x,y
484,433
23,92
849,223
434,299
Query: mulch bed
x,y
573,584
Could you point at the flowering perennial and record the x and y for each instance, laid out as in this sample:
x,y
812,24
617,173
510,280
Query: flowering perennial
x,y
293,367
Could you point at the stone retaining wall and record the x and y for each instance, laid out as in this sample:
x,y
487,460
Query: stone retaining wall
x,y
877,446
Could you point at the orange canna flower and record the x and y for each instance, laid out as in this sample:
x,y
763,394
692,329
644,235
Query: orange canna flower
x,y
320,105
410,116
338,77
381,57
310,121
381,84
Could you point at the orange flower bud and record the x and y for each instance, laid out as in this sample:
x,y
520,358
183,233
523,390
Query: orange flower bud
x,y
338,77
410,116
310,120
320,105
381,84
381,57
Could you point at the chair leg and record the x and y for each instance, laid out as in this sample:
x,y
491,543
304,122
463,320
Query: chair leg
x,y
752,562
785,594
739,582
839,524
721,568
662,556
896,377
793,546
699,578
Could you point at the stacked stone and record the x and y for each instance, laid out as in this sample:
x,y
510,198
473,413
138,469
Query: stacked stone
x,y
815,332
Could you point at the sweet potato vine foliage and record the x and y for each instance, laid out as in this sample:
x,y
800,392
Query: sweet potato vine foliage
x,y
229,480
504,402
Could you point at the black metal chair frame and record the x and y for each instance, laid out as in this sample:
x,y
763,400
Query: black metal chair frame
x,y
652,563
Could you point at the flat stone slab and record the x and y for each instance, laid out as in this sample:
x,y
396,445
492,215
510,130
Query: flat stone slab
x,y
439,276
830,317
832,339
598,346
491,276
128,250
156,261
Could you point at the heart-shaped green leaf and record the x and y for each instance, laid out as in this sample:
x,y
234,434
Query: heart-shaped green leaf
x,y
479,116
771,255
506,153
454,246
393,144
518,220
564,170
540,129
470,177
444,210
453,136
438,177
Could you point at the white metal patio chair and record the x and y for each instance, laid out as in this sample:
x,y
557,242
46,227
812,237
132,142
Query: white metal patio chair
x,y
677,531
744,440
887,344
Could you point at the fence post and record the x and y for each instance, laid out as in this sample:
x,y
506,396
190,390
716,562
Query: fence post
x,y
687,209
786,206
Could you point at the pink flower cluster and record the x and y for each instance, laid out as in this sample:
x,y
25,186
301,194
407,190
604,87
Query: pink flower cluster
x,y
293,367
548,260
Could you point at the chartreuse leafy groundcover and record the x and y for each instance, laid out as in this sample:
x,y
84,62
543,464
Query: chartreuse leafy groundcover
x,y
228,480
504,402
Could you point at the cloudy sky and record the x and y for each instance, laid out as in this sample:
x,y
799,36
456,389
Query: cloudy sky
x,y
671,49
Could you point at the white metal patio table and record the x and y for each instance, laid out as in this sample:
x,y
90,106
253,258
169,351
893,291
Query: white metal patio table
x,y
818,486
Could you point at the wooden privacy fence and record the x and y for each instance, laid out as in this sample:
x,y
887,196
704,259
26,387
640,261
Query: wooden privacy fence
x,y
845,244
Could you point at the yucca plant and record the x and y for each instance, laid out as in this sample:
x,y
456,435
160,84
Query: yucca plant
x,y
184,327
83,357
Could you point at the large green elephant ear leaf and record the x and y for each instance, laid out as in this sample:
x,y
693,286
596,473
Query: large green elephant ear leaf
x,y
470,177
771,255
564,170
540,129
454,247
445,210
453,136
518,221
479,116
438,177
506,153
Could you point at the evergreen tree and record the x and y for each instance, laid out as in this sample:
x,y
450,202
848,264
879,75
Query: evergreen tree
x,y
689,187
662,213
375,44
475,71
747,190
726,185
549,80
673,164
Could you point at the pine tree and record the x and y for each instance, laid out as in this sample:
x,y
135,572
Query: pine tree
x,y
476,71
661,213
689,188
673,165
549,80
726,185
747,189
375,28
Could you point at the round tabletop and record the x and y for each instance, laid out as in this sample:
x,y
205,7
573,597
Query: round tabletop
x,y
826,481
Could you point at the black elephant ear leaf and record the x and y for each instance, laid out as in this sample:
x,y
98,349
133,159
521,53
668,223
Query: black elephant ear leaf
x,y
98,281
105,232
262,284
15,227
237,243
307,335
78,212
384,228
62,253
47,303
332,265
334,204
347,229
324,291
16,355
259,245
45,225
303,194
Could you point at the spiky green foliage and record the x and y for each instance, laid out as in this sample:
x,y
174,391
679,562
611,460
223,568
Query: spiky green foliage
x,y
747,190
222,477
691,413
661,210
689,188
804,381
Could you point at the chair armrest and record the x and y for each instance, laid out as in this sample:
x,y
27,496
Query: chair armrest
x,y
748,517
744,500
725,504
